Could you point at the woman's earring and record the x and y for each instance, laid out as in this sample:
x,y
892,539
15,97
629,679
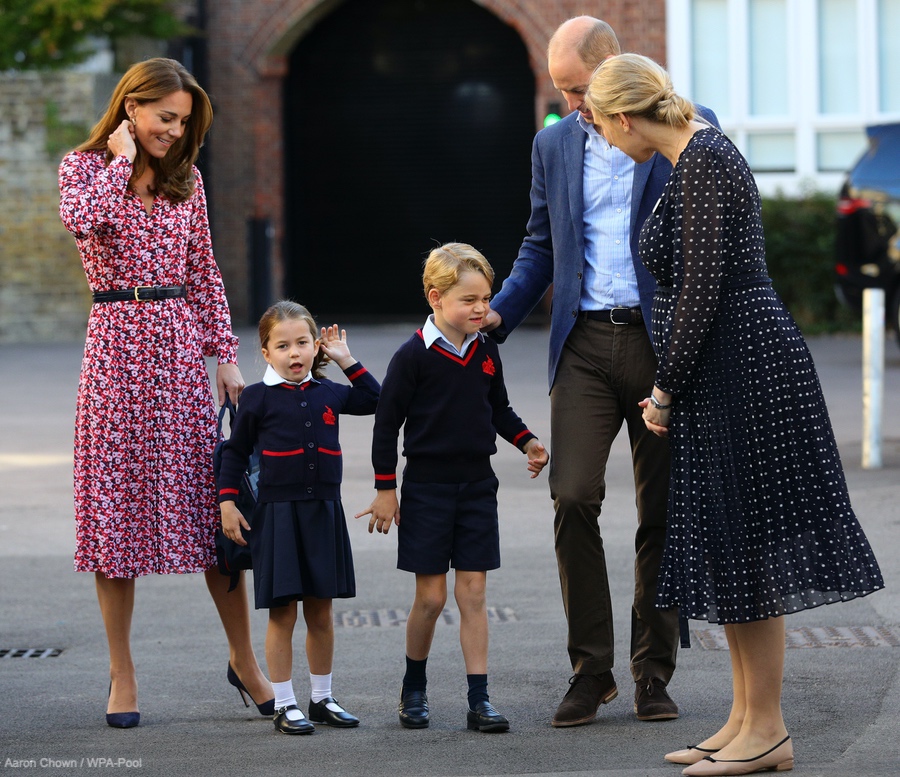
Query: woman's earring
x,y
134,121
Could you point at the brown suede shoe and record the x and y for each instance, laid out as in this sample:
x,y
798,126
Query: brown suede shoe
x,y
651,702
584,697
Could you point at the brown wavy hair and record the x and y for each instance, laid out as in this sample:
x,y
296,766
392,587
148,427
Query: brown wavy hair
x,y
146,82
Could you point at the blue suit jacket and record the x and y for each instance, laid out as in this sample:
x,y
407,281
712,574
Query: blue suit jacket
x,y
553,251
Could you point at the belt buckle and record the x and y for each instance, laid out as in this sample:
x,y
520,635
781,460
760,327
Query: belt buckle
x,y
612,319
137,290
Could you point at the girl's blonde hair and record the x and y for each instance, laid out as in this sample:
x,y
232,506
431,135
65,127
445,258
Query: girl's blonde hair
x,y
147,82
635,85
288,310
445,264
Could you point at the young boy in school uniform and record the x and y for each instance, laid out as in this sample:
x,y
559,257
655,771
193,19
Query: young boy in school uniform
x,y
444,387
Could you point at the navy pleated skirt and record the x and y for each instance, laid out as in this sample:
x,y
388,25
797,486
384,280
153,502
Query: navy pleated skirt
x,y
301,549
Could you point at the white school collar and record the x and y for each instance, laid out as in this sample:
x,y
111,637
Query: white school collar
x,y
272,378
431,334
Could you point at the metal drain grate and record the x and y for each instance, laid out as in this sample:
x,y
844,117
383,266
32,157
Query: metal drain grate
x,y
816,637
30,652
398,616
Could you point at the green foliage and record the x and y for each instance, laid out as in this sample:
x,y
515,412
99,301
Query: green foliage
x,y
800,255
62,136
41,34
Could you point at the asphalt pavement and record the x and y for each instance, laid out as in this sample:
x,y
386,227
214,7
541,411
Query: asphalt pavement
x,y
842,689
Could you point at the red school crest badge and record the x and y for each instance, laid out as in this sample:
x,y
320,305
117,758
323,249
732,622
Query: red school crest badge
x,y
328,416
488,366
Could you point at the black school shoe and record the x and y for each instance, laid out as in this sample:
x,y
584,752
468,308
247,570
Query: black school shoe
x,y
413,709
339,718
485,718
287,726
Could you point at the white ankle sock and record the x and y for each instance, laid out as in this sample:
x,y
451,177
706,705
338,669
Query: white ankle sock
x,y
321,686
284,697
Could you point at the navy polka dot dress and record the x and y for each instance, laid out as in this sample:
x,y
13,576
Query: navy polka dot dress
x,y
760,522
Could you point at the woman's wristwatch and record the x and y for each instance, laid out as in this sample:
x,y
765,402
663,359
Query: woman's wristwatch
x,y
659,405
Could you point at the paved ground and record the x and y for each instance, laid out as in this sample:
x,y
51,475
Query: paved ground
x,y
842,703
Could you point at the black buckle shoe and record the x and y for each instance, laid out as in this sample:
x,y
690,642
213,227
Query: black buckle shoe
x,y
485,718
413,709
287,726
320,712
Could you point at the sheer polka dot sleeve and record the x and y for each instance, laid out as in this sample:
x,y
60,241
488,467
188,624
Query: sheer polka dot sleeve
x,y
705,193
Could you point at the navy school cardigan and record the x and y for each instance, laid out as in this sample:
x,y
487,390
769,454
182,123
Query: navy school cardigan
x,y
296,429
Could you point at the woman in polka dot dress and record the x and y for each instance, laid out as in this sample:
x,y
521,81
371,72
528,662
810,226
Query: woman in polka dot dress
x,y
145,498
760,522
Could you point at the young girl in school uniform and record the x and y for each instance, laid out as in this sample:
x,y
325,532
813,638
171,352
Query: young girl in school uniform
x,y
299,541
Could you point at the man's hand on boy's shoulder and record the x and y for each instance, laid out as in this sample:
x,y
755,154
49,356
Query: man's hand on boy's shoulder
x,y
537,456
491,321
384,510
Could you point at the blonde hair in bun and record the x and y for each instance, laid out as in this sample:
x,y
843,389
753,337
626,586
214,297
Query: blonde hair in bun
x,y
637,86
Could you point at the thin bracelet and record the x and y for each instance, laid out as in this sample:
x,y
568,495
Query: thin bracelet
x,y
657,404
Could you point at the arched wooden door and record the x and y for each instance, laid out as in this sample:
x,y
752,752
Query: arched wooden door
x,y
407,124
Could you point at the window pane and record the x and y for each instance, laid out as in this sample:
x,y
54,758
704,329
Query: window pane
x,y
771,152
838,70
709,34
768,58
889,54
837,151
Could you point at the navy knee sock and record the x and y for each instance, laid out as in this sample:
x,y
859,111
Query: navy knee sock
x,y
414,679
477,689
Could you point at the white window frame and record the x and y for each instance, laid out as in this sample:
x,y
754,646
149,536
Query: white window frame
x,y
804,119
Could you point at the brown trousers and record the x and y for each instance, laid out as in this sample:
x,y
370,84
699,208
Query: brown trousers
x,y
604,371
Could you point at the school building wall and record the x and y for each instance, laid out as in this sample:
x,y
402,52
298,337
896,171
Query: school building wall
x,y
248,47
43,294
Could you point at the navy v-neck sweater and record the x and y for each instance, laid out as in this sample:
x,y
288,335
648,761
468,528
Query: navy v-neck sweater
x,y
451,409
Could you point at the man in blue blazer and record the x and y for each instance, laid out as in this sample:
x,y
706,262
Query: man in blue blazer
x,y
588,203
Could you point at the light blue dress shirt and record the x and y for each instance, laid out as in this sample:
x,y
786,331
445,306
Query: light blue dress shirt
x,y
609,278
431,334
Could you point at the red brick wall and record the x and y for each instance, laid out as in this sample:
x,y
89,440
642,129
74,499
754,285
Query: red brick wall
x,y
248,43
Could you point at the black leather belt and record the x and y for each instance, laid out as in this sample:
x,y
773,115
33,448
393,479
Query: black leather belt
x,y
620,316
141,294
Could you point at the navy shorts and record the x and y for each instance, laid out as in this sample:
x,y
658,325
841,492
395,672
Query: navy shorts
x,y
445,525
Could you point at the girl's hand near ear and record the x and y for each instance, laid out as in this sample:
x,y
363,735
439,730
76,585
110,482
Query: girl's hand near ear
x,y
335,346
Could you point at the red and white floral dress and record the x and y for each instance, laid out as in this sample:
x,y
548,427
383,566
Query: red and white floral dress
x,y
145,428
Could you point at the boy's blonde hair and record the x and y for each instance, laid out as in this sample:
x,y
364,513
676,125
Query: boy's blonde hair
x,y
286,310
445,264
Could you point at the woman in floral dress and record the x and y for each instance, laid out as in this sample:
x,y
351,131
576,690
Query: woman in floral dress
x,y
145,499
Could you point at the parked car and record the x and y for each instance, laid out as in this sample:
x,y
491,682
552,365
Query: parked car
x,y
868,213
